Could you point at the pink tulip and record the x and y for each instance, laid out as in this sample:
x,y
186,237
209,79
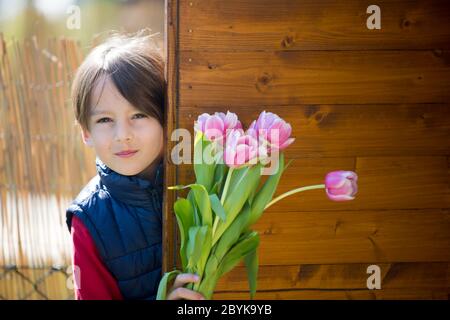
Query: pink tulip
x,y
215,126
273,129
240,148
341,185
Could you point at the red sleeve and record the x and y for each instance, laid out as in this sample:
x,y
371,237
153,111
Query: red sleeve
x,y
92,279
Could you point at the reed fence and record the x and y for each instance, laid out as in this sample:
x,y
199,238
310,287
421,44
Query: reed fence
x,y
43,165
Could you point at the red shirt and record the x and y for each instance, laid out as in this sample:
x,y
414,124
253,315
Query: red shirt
x,y
93,281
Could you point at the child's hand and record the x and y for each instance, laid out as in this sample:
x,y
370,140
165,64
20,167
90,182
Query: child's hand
x,y
177,292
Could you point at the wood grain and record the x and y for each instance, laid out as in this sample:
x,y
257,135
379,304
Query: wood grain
x,y
371,101
171,74
339,276
221,79
329,130
249,25
353,237
363,294
384,183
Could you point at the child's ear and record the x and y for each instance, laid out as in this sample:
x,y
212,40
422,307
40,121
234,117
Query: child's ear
x,y
86,136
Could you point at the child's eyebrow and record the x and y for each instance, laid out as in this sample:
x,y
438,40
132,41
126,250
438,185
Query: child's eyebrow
x,y
98,111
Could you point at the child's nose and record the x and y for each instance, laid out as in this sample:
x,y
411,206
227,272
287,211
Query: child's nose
x,y
124,132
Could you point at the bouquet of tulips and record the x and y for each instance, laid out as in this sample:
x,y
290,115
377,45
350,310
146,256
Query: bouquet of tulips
x,y
228,197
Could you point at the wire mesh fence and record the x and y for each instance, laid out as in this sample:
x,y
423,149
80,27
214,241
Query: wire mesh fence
x,y
49,283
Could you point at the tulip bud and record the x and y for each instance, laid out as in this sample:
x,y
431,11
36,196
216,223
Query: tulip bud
x,y
341,185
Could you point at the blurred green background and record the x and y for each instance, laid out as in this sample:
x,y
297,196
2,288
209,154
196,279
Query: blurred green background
x,y
20,19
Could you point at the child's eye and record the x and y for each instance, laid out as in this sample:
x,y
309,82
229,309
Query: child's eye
x,y
103,120
140,115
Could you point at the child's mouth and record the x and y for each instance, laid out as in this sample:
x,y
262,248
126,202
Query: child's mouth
x,y
127,153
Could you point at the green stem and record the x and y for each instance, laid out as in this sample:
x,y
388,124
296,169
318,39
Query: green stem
x,y
225,188
291,192
222,200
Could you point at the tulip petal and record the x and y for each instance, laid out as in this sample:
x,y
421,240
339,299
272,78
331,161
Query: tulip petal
x,y
341,185
339,197
214,122
334,180
345,189
252,126
230,120
287,143
200,123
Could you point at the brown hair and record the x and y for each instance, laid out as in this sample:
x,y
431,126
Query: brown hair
x,y
135,68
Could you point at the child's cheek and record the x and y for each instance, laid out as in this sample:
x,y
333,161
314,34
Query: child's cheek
x,y
103,136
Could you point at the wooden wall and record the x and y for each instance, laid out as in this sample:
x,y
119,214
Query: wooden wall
x,y
372,101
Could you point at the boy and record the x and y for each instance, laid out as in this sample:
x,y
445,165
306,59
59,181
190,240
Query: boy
x,y
116,220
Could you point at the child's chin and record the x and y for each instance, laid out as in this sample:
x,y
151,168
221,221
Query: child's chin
x,y
126,172
129,173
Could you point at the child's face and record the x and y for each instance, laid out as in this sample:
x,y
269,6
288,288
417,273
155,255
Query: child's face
x,y
115,127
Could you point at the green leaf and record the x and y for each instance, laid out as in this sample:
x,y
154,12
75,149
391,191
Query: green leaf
x,y
166,279
203,203
219,177
208,285
237,178
195,249
185,218
251,196
211,264
202,200
217,206
177,187
215,188
206,235
236,199
251,265
197,217
232,233
203,167
265,194
212,271
237,252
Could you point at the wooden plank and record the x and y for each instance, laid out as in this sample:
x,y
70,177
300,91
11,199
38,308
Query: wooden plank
x,y
384,183
354,237
218,79
339,276
312,25
388,294
171,75
352,130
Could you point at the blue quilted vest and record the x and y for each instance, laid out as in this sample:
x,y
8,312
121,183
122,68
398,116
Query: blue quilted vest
x,y
124,217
